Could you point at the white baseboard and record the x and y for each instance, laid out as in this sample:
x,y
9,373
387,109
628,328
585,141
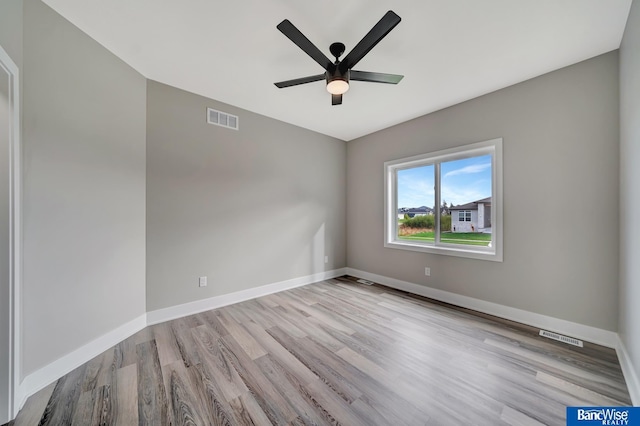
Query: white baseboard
x,y
584,332
178,311
41,378
630,375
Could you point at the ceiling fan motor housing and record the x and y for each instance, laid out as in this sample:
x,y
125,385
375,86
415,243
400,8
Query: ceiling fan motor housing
x,y
338,75
337,81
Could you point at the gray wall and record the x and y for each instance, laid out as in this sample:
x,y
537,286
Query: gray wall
x,y
245,208
630,187
84,189
561,160
11,29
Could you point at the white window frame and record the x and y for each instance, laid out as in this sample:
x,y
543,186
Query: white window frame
x,y
462,216
491,147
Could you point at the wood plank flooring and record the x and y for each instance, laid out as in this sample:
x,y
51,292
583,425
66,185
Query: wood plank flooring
x,y
335,352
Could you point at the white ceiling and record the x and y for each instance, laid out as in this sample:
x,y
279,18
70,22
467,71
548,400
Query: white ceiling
x,y
448,50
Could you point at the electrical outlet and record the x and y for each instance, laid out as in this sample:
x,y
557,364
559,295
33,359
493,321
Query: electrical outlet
x,y
427,271
326,259
202,282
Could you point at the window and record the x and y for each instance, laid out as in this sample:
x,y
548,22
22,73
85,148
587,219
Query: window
x,y
464,215
447,202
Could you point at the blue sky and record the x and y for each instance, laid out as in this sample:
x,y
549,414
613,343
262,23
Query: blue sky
x,y
463,181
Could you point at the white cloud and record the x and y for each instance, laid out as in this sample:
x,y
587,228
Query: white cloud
x,y
474,168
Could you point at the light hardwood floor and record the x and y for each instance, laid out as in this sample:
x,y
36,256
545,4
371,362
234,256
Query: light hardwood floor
x,y
335,352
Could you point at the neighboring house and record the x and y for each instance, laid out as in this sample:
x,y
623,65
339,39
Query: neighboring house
x,y
472,217
414,211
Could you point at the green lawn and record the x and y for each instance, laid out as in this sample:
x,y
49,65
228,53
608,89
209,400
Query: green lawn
x,y
468,238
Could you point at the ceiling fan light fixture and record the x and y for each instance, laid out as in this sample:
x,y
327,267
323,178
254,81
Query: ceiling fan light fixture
x,y
337,86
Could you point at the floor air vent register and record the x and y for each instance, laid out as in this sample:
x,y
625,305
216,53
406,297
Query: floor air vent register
x,y
561,338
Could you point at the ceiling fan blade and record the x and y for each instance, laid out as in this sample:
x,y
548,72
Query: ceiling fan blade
x,y
336,99
368,42
296,81
294,34
375,77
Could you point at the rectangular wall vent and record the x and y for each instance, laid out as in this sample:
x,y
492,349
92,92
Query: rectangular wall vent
x,y
222,119
561,338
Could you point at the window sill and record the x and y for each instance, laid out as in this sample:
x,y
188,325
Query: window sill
x,y
447,250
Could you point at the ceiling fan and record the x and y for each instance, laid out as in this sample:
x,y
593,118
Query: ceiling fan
x,y
338,74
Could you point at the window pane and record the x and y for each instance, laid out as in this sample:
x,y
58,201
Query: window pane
x,y
416,200
466,201
469,199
